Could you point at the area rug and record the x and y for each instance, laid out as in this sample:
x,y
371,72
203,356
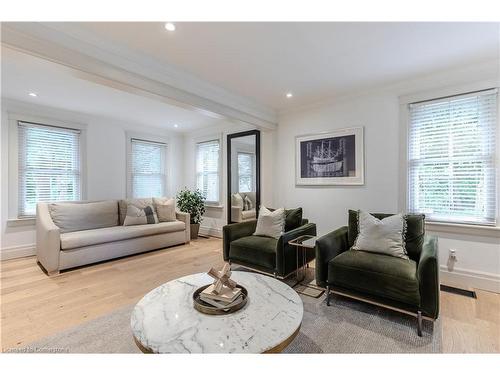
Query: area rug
x,y
347,326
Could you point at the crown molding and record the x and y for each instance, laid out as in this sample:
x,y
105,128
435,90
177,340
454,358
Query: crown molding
x,y
471,74
114,65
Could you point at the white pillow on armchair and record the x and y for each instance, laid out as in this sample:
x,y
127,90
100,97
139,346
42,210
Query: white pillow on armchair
x,y
270,224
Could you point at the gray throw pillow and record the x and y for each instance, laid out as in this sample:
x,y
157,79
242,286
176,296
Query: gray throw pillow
x,y
139,216
248,203
270,224
165,209
386,236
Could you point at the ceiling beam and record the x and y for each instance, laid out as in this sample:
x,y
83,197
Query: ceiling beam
x,y
128,73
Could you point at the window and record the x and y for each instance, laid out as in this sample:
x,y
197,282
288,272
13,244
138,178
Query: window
x,y
245,172
207,170
451,159
147,168
49,165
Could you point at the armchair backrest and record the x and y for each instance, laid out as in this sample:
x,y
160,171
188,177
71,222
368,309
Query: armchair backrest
x,y
415,231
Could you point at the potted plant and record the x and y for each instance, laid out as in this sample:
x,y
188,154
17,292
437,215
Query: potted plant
x,y
192,202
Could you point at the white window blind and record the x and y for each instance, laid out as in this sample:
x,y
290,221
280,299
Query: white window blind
x,y
207,170
452,171
148,169
245,172
49,167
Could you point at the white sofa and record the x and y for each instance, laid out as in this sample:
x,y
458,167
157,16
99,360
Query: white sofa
x,y
238,213
71,234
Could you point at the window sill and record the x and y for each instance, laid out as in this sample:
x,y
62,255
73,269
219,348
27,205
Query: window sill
x,y
214,205
466,229
28,221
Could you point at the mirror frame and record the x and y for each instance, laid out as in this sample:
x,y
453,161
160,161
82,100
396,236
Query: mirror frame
x,y
257,170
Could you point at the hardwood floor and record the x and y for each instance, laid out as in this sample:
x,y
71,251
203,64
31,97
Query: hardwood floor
x,y
34,305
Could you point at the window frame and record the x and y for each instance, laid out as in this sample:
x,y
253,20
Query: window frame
x,y
404,128
13,160
207,139
128,150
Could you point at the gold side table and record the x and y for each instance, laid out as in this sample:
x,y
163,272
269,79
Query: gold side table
x,y
304,244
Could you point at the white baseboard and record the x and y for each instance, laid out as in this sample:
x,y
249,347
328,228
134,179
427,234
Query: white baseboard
x,y
463,278
13,252
210,231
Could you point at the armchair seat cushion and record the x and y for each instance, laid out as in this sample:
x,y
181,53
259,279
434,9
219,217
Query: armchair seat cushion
x,y
257,250
376,274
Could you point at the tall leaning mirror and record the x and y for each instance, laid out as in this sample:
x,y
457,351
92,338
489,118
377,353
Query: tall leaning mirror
x,y
243,166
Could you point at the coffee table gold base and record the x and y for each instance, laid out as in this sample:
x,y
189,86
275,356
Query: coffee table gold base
x,y
280,347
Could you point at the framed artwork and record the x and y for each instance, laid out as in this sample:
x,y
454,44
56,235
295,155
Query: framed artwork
x,y
333,158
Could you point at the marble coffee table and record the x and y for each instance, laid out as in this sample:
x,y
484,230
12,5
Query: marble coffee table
x,y
164,320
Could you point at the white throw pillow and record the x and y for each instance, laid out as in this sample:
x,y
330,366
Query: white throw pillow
x,y
386,236
270,224
165,209
237,201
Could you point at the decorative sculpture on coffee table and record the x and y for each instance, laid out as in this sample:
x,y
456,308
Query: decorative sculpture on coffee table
x,y
222,278
223,296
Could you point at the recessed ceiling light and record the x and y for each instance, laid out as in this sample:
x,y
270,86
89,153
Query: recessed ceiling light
x,y
289,95
176,126
33,94
170,26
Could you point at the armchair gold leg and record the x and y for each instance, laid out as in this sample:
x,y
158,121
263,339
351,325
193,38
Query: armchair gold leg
x,y
419,323
328,295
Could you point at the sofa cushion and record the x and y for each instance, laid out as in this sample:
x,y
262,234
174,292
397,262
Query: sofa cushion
x,y
91,237
77,216
414,235
137,202
256,250
165,209
376,274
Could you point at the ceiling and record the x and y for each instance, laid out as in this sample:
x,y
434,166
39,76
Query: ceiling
x,y
61,87
264,61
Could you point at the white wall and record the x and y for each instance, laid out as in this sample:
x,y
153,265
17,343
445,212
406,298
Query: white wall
x,y
105,161
478,257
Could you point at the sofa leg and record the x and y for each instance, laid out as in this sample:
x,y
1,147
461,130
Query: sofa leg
x,y
275,274
53,273
328,295
419,323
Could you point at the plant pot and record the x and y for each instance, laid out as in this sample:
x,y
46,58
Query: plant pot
x,y
195,228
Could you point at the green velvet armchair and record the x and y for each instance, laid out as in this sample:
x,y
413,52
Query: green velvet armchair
x,y
264,254
409,285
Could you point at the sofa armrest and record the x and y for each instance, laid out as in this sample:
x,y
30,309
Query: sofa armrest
x,y
236,214
328,247
232,232
428,277
186,218
285,253
48,239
